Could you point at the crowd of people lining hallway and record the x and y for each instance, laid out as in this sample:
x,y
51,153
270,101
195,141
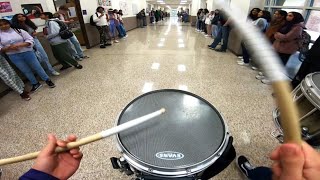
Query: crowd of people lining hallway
x,y
20,46
284,30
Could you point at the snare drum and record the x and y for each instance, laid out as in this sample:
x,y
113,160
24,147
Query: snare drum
x,y
189,138
307,98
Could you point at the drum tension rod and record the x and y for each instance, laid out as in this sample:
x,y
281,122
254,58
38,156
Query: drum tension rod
x,y
122,165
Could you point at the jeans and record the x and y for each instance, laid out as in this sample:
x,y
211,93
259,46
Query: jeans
x,y
260,173
245,53
120,32
122,29
215,30
26,62
112,28
140,21
223,34
76,47
42,56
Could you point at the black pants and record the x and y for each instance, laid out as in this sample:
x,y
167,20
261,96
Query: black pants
x,y
62,54
104,35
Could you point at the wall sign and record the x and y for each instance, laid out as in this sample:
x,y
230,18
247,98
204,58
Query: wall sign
x,y
5,7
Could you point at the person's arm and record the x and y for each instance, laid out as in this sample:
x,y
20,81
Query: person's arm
x,y
228,22
295,33
260,24
97,18
54,29
33,174
28,39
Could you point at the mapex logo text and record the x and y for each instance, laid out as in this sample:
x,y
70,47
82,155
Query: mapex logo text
x,y
169,155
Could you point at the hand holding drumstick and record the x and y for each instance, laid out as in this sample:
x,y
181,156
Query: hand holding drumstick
x,y
55,166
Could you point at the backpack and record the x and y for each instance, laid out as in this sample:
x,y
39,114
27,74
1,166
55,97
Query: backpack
x,y
92,23
64,33
303,44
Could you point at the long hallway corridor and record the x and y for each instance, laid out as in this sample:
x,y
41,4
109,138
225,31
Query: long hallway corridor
x,y
168,55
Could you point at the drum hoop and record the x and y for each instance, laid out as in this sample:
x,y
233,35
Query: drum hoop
x,y
177,172
314,91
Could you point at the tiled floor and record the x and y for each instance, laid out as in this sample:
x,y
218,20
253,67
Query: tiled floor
x,y
165,56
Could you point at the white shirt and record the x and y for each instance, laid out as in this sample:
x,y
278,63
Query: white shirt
x,y
102,21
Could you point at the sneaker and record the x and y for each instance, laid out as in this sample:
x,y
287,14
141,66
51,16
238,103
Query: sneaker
x,y
254,68
260,73
244,165
125,36
35,87
55,73
78,59
85,57
266,81
116,41
240,61
108,44
102,46
243,64
25,96
78,66
50,83
240,57
65,67
260,77
220,50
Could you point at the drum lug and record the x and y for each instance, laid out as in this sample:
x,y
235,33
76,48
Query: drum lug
x,y
278,136
122,165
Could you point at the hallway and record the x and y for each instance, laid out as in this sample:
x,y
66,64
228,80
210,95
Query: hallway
x,y
87,101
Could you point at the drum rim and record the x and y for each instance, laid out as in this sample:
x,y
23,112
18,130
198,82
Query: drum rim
x,y
314,91
181,170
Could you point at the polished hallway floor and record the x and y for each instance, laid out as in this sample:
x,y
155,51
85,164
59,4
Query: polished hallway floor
x,y
87,101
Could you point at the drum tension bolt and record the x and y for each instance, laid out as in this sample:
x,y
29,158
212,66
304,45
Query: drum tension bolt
x,y
122,165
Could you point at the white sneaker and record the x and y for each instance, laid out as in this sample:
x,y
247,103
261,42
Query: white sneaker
x,y
260,77
55,73
116,41
266,81
254,68
243,64
240,57
240,60
260,73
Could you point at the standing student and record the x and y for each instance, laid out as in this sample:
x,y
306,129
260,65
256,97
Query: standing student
x,y
77,52
287,39
18,45
215,23
152,15
208,20
121,34
121,25
11,79
21,21
59,46
102,24
112,25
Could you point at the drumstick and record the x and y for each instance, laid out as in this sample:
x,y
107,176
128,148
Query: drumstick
x,y
88,139
262,51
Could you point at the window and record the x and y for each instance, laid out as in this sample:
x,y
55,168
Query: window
x,y
313,24
267,2
315,3
293,10
289,2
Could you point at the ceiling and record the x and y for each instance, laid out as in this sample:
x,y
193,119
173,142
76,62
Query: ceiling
x,y
171,3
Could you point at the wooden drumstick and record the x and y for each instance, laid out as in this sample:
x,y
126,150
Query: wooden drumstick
x,y
262,51
88,139
289,113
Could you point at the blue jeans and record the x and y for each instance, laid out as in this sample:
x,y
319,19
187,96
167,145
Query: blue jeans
x,y
260,173
215,30
245,53
112,30
76,47
26,62
42,56
123,30
223,34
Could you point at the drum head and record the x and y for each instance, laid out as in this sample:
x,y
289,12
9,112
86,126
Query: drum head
x,y
188,133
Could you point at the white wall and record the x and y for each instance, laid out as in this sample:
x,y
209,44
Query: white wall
x,y
16,5
242,5
91,5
